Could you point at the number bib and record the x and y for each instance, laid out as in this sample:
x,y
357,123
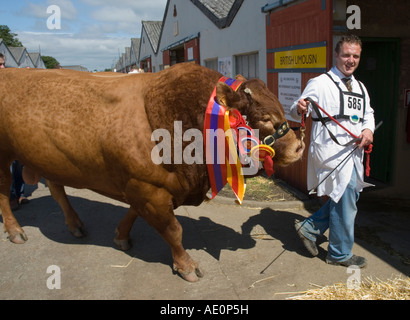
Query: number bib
x,y
353,106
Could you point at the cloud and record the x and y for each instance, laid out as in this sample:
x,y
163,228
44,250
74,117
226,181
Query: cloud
x,y
93,53
117,19
114,14
140,5
39,10
126,16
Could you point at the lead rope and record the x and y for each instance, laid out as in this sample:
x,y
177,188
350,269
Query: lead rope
x,y
368,149
302,129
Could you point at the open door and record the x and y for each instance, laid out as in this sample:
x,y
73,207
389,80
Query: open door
x,y
378,70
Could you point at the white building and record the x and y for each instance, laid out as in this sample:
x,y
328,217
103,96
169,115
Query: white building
x,y
135,49
22,57
18,57
10,61
37,60
148,53
225,35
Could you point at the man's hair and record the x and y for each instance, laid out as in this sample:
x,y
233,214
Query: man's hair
x,y
349,38
2,56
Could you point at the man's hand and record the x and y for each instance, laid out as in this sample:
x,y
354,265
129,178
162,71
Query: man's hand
x,y
302,106
367,138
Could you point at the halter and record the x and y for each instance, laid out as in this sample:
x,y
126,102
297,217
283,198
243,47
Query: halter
x,y
280,132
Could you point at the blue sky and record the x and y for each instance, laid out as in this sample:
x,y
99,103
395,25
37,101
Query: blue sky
x,y
92,31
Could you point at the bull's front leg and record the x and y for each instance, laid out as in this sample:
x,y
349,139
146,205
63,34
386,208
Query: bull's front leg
x,y
11,226
72,220
165,222
158,213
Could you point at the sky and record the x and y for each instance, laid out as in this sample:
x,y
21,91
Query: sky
x,y
91,33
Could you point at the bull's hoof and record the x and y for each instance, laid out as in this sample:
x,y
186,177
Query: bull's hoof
x,y
18,238
123,244
79,232
190,276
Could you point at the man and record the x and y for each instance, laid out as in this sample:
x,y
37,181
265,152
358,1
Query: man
x,y
345,98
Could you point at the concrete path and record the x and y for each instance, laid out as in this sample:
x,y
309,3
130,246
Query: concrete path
x,y
247,252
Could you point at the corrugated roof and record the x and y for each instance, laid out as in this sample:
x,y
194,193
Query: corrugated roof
x,y
135,43
153,30
219,8
76,68
17,52
220,12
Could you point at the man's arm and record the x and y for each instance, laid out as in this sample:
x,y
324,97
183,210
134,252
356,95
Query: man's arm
x,y
301,106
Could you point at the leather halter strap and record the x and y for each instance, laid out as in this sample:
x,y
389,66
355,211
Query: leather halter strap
x,y
280,132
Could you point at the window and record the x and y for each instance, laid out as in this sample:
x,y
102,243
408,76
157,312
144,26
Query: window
x,y
212,64
247,65
176,29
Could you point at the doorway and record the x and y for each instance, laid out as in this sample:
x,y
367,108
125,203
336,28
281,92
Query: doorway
x,y
177,55
379,72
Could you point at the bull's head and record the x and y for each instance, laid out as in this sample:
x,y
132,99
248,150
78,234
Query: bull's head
x,y
265,113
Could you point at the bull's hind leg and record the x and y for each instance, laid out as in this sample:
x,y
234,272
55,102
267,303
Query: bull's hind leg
x,y
158,212
11,226
72,220
122,240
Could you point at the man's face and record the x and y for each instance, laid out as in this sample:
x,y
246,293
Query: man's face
x,y
2,63
347,60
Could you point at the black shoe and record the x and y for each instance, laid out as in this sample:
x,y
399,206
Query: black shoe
x,y
353,261
309,244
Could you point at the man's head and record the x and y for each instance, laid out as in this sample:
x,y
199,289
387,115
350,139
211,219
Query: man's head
x,y
2,61
347,54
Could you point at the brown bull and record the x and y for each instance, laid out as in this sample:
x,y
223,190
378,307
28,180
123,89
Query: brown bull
x,y
94,131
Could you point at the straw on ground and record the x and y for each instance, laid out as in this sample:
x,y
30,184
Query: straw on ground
x,y
392,289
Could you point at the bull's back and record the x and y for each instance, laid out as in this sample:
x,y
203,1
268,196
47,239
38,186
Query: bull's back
x,y
55,121
94,130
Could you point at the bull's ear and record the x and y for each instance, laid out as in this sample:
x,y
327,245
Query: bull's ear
x,y
225,95
240,77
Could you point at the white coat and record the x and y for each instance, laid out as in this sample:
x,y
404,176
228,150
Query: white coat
x,y
324,154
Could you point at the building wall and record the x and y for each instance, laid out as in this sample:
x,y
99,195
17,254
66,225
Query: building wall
x,y
299,24
40,63
10,61
25,61
381,24
147,53
245,35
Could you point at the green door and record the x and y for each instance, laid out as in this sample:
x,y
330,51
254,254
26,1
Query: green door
x,y
378,70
